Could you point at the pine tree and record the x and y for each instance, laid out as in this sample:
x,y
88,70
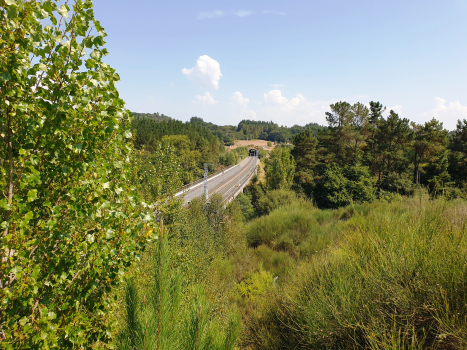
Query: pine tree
x,y
156,321
458,156
304,154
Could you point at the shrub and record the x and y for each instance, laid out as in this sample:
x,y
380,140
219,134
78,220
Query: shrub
x,y
256,284
274,199
338,187
396,280
398,183
244,201
290,228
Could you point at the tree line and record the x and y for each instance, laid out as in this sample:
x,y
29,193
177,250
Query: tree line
x,y
362,155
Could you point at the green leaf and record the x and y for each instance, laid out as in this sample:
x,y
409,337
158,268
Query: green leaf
x,y
32,195
106,185
66,169
23,321
29,215
4,205
63,11
5,76
10,2
109,234
96,54
42,67
127,134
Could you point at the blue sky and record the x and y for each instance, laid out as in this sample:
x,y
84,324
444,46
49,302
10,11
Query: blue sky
x,y
225,61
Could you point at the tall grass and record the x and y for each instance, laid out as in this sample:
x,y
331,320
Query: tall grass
x,y
300,228
397,279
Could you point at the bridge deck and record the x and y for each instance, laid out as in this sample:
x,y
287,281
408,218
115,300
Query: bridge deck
x,y
226,183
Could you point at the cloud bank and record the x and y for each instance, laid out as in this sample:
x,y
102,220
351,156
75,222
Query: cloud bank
x,y
447,113
296,110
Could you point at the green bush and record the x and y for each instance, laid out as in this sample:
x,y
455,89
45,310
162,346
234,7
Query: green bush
x,y
274,199
278,263
290,228
398,183
247,208
256,284
396,280
338,187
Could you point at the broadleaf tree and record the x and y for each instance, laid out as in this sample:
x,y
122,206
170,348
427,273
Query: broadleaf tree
x,y
70,224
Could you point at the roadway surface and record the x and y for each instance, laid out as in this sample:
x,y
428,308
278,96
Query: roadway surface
x,y
226,183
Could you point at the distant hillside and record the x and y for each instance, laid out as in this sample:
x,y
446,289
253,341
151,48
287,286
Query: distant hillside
x,y
154,116
246,129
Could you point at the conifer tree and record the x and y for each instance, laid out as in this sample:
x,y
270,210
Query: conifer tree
x,y
458,154
304,154
156,320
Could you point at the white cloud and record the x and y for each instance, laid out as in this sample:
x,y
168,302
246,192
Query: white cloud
x,y
238,99
447,113
296,110
277,85
206,99
280,13
242,13
396,108
206,73
241,105
210,14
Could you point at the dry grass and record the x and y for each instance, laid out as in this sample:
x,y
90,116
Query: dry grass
x,y
253,143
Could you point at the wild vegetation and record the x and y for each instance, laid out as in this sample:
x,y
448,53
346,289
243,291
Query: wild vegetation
x,y
362,155
354,239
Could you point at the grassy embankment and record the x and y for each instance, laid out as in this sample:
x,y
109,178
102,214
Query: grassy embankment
x,y
393,277
370,276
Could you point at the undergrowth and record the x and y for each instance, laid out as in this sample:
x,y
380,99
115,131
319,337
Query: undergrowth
x,y
394,279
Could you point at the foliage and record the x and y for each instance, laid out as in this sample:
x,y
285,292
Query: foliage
x,y
266,201
70,221
458,155
341,186
304,154
296,228
244,201
397,183
156,174
382,286
270,131
280,169
429,149
255,285
156,320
